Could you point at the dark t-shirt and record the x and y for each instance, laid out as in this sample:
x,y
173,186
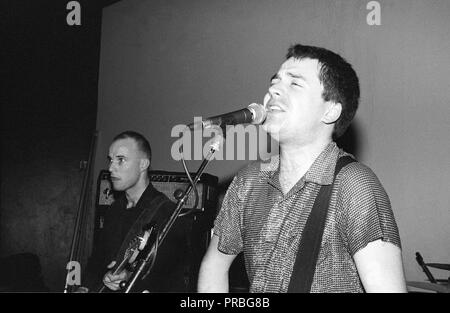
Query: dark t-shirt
x,y
170,272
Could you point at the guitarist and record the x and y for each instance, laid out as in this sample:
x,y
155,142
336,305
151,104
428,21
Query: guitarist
x,y
137,204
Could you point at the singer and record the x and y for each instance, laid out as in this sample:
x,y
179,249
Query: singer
x,y
316,220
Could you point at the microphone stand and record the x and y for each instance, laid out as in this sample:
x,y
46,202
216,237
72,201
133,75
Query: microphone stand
x,y
162,235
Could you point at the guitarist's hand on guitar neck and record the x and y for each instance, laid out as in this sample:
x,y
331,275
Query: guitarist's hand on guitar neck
x,y
112,279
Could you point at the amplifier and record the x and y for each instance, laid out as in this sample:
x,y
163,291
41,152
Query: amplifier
x,y
167,183
105,196
171,182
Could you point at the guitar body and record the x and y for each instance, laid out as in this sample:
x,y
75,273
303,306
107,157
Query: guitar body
x,y
130,257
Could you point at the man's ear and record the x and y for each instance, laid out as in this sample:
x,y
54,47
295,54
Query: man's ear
x,y
333,112
144,164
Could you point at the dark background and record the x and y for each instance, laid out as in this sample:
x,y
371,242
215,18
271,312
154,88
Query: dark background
x,y
49,107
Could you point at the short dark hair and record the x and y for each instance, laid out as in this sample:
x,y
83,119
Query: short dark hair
x,y
339,80
141,141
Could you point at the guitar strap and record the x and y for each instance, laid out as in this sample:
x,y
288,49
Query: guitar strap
x,y
309,247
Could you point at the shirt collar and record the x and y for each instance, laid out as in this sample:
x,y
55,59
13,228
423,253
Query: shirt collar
x,y
148,193
321,171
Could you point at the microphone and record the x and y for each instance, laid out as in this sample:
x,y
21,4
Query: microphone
x,y
254,114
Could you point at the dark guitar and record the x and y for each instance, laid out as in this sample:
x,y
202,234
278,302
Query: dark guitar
x,y
131,254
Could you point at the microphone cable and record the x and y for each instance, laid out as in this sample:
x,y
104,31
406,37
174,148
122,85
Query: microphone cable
x,y
193,184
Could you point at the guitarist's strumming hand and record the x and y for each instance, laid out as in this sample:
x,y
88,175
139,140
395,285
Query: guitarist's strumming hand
x,y
112,281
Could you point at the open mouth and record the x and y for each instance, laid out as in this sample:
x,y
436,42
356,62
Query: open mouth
x,y
274,108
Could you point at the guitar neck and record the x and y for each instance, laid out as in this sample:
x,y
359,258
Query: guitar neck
x,y
121,266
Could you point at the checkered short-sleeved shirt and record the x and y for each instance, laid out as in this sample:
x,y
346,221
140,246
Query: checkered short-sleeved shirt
x,y
258,219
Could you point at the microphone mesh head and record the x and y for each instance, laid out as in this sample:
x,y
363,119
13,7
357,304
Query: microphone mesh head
x,y
259,113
